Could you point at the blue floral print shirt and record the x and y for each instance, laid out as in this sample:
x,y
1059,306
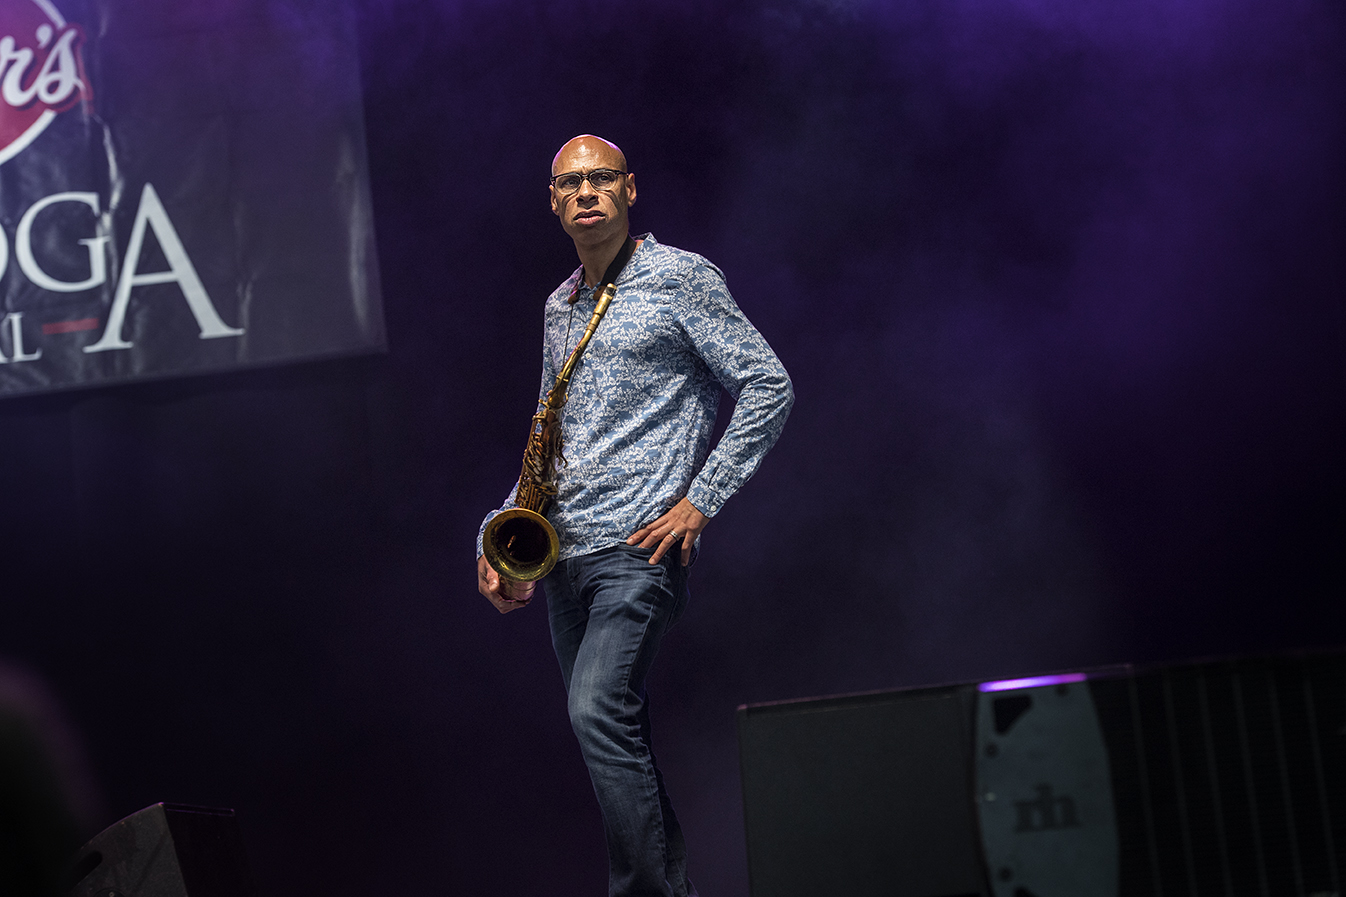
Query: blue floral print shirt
x,y
642,401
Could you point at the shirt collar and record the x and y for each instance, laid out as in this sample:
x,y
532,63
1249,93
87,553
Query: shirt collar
x,y
580,290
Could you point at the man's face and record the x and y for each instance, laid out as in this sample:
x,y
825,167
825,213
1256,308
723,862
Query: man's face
x,y
589,215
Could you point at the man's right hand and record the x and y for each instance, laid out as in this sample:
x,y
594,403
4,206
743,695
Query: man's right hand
x,y
505,594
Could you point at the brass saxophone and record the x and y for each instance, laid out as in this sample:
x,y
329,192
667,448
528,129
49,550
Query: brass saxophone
x,y
519,543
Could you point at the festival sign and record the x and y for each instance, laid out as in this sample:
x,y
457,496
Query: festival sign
x,y
183,190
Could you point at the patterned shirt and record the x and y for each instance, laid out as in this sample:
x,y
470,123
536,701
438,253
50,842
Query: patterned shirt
x,y
642,401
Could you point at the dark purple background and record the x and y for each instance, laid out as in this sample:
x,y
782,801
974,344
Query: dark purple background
x,y
1060,285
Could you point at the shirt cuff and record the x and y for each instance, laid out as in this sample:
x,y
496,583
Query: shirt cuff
x,y
705,499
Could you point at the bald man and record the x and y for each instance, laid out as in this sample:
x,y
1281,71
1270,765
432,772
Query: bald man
x,y
640,486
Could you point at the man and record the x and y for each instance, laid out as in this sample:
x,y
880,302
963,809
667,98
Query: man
x,y
638,488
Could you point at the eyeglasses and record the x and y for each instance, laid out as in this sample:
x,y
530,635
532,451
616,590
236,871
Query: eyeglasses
x,y
599,178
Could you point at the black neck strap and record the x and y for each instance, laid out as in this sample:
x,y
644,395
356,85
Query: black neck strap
x,y
614,270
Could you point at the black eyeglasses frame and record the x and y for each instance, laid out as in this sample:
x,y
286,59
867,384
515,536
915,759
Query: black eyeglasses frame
x,y
585,176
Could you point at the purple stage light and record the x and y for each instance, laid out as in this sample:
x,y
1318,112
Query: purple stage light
x,y
1031,682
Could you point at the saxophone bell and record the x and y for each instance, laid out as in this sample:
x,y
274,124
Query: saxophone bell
x,y
521,545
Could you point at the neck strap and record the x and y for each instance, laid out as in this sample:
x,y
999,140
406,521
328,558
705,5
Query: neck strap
x,y
614,270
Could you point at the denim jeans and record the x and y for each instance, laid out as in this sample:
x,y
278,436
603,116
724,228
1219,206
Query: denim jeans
x,y
609,611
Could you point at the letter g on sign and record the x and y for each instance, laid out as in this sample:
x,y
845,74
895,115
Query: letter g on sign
x,y
23,247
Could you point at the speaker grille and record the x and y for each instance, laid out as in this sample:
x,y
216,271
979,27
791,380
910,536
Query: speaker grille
x,y
1229,778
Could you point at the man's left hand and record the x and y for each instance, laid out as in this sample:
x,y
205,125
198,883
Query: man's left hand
x,y
680,526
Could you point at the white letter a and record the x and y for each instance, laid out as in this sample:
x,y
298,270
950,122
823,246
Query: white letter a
x,y
180,270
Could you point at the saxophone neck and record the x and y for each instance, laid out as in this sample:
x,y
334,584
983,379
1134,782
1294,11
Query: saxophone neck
x,y
557,397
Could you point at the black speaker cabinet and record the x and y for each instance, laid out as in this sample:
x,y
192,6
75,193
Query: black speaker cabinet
x,y
166,850
1223,778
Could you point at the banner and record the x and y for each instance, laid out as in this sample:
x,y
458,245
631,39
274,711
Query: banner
x,y
183,189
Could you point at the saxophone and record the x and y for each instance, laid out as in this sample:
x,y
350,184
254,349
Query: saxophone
x,y
519,543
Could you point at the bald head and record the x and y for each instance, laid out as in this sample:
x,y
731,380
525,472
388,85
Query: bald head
x,y
590,149
595,215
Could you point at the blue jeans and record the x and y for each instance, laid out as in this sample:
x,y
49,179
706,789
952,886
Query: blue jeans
x,y
609,611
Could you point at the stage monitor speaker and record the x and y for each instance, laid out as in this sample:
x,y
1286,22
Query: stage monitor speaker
x,y
1224,778
166,850
863,796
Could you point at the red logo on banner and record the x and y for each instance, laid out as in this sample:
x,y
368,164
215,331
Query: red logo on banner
x,y
41,71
